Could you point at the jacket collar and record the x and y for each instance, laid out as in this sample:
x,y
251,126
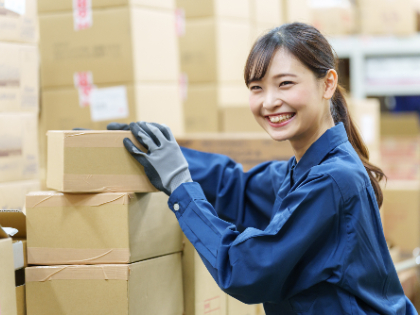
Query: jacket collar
x,y
332,138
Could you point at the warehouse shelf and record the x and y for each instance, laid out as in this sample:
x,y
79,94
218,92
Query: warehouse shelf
x,y
360,47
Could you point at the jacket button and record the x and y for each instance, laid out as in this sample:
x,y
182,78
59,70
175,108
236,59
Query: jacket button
x,y
176,206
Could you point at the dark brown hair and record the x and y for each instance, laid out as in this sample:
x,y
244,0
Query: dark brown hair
x,y
308,45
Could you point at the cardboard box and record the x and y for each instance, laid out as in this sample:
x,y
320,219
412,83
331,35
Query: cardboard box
x,y
18,146
329,17
106,228
202,295
20,300
14,224
267,12
19,23
54,5
402,214
18,77
123,44
151,286
247,149
390,17
234,9
7,276
215,50
260,309
93,161
409,281
239,119
202,103
12,194
236,307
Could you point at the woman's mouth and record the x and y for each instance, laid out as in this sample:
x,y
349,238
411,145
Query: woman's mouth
x,y
280,120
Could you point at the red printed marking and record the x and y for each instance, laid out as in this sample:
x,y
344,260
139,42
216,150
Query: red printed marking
x,y
212,305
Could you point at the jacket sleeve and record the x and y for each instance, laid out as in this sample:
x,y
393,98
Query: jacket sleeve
x,y
295,251
243,198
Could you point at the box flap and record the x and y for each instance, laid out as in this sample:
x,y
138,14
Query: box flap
x,y
14,219
3,233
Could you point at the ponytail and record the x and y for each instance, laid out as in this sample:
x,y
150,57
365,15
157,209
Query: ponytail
x,y
340,113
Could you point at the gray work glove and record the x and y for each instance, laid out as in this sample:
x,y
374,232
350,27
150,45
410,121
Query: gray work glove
x,y
164,163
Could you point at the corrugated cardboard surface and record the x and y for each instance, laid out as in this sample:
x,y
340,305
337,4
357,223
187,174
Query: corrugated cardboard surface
x,y
99,228
19,77
77,163
20,300
236,307
120,47
19,28
401,212
397,17
18,146
12,194
267,11
238,119
7,276
54,5
209,53
154,286
247,149
234,9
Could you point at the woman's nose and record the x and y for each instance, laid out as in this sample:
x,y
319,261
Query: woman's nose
x,y
271,101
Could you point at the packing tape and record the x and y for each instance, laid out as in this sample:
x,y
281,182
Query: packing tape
x,y
69,272
77,256
56,199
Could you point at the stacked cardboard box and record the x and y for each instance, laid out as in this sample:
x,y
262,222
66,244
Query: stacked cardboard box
x,y
107,248
214,46
105,61
18,101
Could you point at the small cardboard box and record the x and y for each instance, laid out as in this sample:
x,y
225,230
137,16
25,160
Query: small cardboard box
x,y
202,295
19,22
7,276
151,286
49,6
12,194
401,213
387,17
233,9
106,228
14,224
203,101
120,46
209,53
19,77
247,149
93,161
18,146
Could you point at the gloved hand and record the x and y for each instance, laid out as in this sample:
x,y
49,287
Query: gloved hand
x,y
164,163
117,126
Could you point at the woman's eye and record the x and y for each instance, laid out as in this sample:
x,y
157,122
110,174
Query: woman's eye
x,y
255,87
286,83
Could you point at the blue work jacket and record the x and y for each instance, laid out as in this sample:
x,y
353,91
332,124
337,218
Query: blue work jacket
x,y
302,238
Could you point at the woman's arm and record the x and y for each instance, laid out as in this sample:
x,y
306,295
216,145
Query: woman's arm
x,y
243,198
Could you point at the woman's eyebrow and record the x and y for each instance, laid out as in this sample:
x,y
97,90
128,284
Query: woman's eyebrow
x,y
280,75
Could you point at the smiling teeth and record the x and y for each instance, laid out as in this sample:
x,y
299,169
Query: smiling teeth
x,y
277,119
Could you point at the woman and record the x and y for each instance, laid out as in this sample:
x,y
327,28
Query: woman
x,y
302,236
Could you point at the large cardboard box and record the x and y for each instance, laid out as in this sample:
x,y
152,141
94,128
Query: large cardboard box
x,y
123,44
20,300
106,228
151,286
215,50
12,194
233,9
18,77
93,161
247,149
203,101
18,21
7,276
267,12
18,146
239,119
45,6
387,17
14,223
401,213
202,295
236,307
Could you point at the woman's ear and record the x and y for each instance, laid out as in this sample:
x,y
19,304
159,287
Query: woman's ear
x,y
330,84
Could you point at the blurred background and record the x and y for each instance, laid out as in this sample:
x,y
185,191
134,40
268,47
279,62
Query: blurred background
x,y
86,63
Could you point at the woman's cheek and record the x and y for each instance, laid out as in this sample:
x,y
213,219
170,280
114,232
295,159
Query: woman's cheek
x,y
253,104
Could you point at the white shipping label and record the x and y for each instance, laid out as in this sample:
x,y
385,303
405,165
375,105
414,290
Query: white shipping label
x,y
17,6
82,14
108,103
368,129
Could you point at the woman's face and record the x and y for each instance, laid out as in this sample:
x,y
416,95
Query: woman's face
x,y
290,103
